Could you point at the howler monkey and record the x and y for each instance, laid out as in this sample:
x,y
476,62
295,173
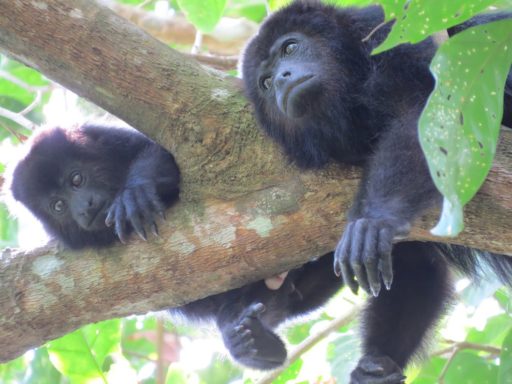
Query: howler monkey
x,y
91,185
77,181
319,92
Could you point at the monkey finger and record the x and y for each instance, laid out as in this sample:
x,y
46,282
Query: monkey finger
x,y
154,229
370,259
342,261
257,309
356,253
385,247
111,214
145,206
154,199
133,214
120,220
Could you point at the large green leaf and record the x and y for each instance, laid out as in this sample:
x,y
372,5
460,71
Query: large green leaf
x,y
415,20
80,355
460,124
203,14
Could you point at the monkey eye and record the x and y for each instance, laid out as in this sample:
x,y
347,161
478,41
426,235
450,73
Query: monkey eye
x,y
289,47
266,83
59,206
76,179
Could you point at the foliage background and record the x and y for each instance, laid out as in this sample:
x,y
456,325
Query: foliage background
x,y
475,343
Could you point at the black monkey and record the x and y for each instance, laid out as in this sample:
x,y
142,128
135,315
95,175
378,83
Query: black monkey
x,y
90,185
319,92
74,181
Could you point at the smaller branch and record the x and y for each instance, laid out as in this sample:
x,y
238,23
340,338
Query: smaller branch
x,y
374,30
13,79
218,62
139,356
456,348
160,361
466,345
198,43
17,118
310,342
454,352
32,105
144,3
21,138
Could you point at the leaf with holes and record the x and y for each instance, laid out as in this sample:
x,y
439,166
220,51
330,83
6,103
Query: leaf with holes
x,y
415,20
460,125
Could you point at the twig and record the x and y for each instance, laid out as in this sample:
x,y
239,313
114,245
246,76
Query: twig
x,y
13,79
456,348
21,138
198,43
467,345
144,3
17,118
218,62
372,32
160,364
310,342
33,104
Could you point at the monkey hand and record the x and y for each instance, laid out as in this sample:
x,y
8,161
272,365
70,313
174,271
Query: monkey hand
x,y
364,253
135,206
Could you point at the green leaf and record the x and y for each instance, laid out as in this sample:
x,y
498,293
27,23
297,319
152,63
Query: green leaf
x,y
8,228
203,14
13,371
430,371
460,125
41,369
276,4
494,332
469,368
80,355
341,353
504,297
505,371
416,20
175,375
290,373
251,9
299,332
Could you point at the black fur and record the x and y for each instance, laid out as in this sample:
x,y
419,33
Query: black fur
x,y
319,93
129,177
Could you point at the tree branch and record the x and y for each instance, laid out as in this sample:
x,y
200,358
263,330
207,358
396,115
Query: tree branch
x,y
244,213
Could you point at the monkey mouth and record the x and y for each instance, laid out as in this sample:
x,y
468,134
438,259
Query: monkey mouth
x,y
292,92
92,224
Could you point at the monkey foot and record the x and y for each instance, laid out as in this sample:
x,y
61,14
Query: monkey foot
x,y
377,370
253,344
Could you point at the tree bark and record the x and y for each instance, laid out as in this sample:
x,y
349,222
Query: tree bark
x,y
244,212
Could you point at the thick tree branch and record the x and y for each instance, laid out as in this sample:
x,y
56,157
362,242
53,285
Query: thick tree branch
x,y
244,212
